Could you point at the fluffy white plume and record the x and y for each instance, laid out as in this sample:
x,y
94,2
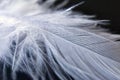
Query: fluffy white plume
x,y
48,45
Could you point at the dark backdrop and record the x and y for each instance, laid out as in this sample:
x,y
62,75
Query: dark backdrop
x,y
103,9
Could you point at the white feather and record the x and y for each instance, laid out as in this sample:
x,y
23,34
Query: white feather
x,y
41,43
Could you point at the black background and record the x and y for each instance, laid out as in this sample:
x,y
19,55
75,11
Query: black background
x,y
103,9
